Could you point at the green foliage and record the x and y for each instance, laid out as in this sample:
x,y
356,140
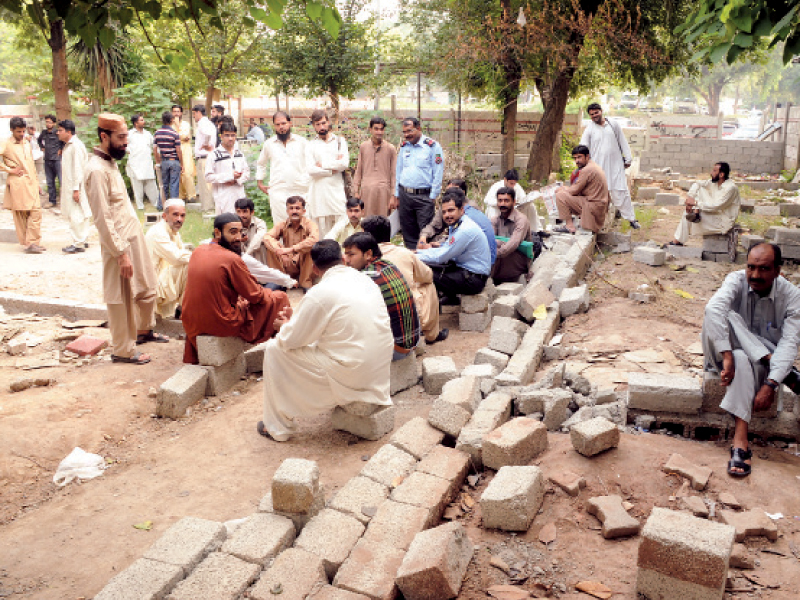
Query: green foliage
x,y
259,198
788,175
22,68
566,164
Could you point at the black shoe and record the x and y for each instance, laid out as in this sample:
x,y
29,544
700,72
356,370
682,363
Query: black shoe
x,y
792,380
439,338
86,245
71,249
178,311
635,224
562,230
447,301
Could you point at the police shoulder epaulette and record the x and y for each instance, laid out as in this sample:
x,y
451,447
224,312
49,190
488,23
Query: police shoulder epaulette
x,y
429,141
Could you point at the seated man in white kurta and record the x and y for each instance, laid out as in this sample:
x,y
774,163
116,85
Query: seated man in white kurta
x,y
336,349
170,257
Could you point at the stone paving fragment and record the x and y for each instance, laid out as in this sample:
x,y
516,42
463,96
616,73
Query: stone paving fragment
x,y
446,463
295,486
187,542
328,592
464,391
436,371
510,288
556,407
426,491
474,321
182,390
262,537
224,377
299,519
330,535
750,523
370,570
403,374
220,576
372,427
293,576
254,358
86,345
655,257
506,334
475,303
396,524
505,306
388,464
615,519
594,436
217,351
729,499
741,558
681,556
435,564
568,481
574,300
448,417
512,499
661,392
514,443
696,474
358,493
145,579
497,359
695,505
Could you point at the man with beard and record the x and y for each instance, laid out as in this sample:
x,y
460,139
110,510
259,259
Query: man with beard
x,y
285,153
750,337
289,243
586,196
170,257
511,224
129,281
326,159
712,206
222,298
187,191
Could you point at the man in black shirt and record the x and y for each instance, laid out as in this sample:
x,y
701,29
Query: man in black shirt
x,y
51,146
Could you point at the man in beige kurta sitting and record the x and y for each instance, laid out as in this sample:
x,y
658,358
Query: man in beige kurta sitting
x,y
586,197
336,349
418,275
22,188
170,258
129,280
348,225
711,206
253,230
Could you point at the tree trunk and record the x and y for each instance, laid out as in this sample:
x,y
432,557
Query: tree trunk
x,y
333,94
103,79
209,97
513,72
555,106
278,101
58,47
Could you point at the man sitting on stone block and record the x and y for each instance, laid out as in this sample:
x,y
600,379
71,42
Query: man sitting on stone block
x,y
511,229
253,230
336,349
461,264
712,206
170,258
361,252
418,275
289,243
586,197
349,224
222,298
751,333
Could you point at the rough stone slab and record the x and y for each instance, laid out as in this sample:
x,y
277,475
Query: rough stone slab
x,y
498,402
488,386
715,243
476,303
474,321
426,491
655,257
659,392
772,210
512,499
505,306
299,519
696,474
741,558
574,300
506,334
216,351
220,576
556,409
371,570
448,417
143,580
605,396
470,440
187,542
295,485
510,288
729,499
361,409
448,464
789,209
373,427
498,360
254,358
330,535
750,523
563,279
435,564
417,437
52,307
436,371
695,505
647,193
221,379
594,436
356,495
568,481
531,400
663,199
615,519
328,592
464,391
261,538
747,241
298,572
181,391
388,464
681,556
395,524
685,252
535,294
86,345
787,236
514,443
403,374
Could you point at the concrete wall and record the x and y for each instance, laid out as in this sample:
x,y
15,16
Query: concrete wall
x,y
790,136
695,156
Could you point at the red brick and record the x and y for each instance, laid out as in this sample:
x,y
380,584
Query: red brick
x,y
87,345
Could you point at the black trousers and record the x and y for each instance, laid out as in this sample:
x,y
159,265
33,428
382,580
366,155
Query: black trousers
x,y
415,212
52,169
451,280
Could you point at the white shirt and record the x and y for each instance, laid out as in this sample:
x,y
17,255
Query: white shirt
x,y
140,155
287,162
326,195
609,153
490,200
205,135
220,167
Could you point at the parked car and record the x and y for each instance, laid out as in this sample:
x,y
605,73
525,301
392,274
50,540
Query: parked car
x,y
628,101
650,104
686,106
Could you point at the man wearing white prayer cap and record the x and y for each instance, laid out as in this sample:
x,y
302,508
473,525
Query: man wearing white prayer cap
x,y
170,258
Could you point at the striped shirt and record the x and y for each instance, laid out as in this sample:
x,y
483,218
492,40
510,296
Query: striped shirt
x,y
168,142
399,302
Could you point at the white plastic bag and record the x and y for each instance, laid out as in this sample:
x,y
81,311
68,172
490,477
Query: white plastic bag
x,y
79,465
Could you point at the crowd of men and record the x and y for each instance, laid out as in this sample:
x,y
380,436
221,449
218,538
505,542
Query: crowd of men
x,y
368,302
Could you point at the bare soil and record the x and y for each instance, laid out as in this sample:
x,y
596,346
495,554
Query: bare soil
x,y
66,543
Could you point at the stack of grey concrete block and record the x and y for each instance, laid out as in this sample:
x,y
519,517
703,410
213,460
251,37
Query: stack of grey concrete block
x,y
476,310
788,240
716,248
223,362
378,533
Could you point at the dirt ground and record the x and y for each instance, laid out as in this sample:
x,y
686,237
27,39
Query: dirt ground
x,y
66,543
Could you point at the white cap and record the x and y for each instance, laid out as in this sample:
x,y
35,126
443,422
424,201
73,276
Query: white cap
x,y
173,202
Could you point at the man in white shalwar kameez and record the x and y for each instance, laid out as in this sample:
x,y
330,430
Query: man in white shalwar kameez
x,y
610,150
227,171
170,257
140,163
74,203
336,349
326,159
715,201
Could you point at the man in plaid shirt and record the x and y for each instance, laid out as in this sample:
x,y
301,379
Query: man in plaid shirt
x,y
362,252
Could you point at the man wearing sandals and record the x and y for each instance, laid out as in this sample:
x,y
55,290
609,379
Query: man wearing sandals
x,y
750,337
129,281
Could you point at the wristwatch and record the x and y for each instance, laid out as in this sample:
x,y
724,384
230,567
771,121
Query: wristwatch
x,y
772,384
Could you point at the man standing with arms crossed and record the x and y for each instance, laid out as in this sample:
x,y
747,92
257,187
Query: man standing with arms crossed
x,y
129,280
420,166
51,146
326,159
22,187
140,164
74,204
205,139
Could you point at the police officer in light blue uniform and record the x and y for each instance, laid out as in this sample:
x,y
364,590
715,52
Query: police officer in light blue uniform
x,y
420,166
